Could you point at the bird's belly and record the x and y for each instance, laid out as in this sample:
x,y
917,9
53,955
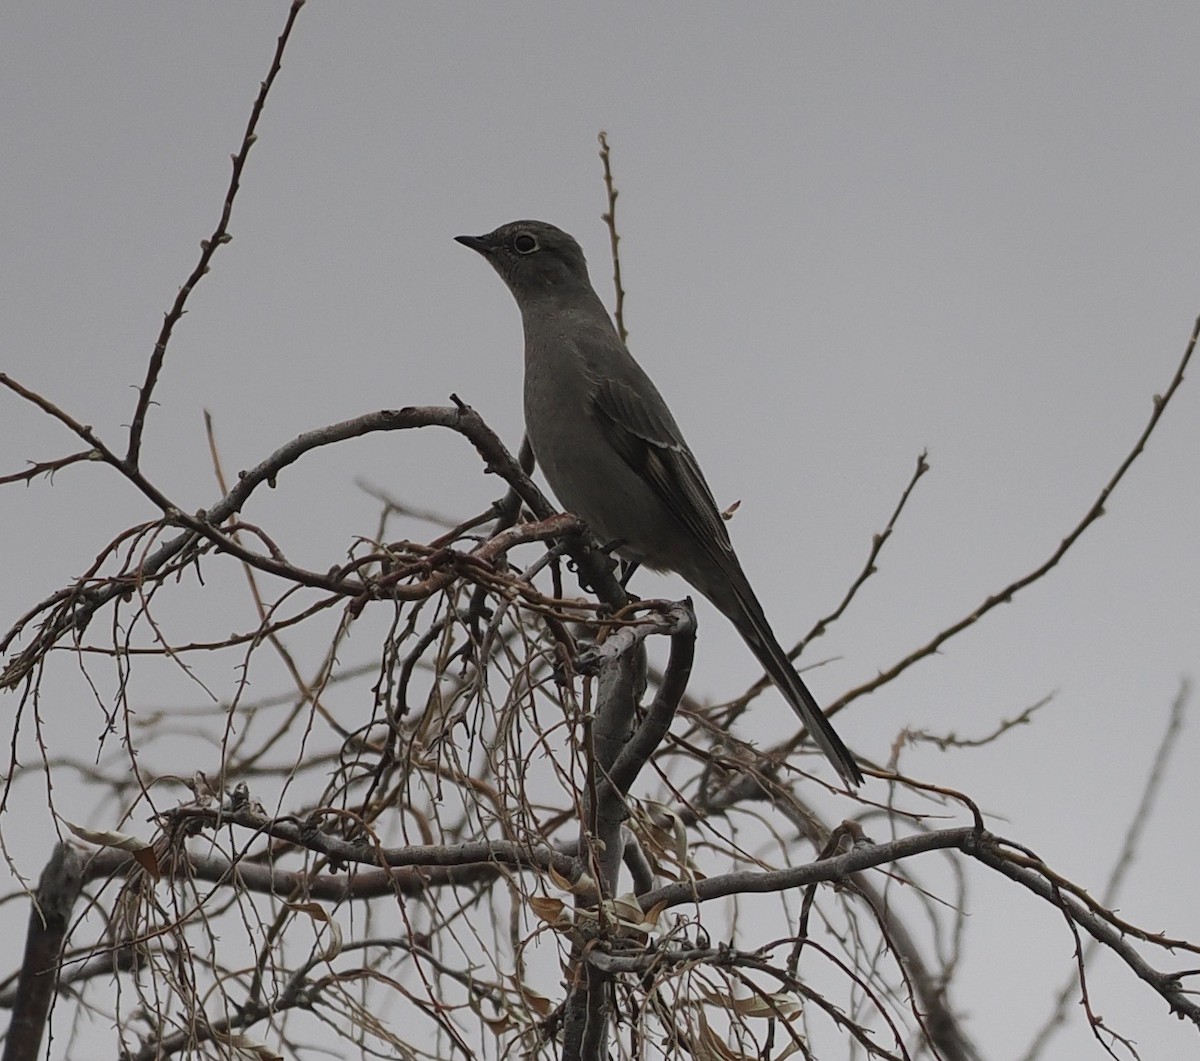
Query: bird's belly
x,y
613,501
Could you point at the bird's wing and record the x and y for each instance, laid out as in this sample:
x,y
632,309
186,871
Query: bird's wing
x,y
646,437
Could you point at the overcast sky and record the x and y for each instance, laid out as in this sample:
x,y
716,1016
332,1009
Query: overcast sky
x,y
851,232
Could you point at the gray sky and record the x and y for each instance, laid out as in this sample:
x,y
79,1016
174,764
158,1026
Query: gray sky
x,y
850,232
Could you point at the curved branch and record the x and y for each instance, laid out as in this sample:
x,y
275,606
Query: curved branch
x,y
81,603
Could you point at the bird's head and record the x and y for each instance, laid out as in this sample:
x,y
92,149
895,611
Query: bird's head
x,y
535,259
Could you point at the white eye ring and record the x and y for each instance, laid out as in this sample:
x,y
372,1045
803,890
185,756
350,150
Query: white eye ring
x,y
524,243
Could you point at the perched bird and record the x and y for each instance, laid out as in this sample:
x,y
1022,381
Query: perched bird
x,y
613,454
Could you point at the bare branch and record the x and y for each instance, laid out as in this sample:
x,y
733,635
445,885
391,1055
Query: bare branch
x,y
609,217
208,247
1005,595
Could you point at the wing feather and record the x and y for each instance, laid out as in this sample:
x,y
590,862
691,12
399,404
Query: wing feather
x,y
649,441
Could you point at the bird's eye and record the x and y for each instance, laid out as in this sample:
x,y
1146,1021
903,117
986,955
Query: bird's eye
x,y
524,243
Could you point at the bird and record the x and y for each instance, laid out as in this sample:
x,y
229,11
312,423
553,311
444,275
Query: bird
x,y
614,456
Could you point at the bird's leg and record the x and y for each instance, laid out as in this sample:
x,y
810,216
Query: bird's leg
x,y
628,567
613,546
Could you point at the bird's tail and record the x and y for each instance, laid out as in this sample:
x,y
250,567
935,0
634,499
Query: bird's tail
x,y
746,614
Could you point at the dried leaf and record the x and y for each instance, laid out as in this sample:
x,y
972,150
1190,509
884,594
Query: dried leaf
x,y
627,908
548,909
498,1025
537,1002
756,1005
141,851
713,1046
317,912
243,1044
584,886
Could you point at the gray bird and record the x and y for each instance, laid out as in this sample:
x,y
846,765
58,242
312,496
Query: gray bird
x,y
613,454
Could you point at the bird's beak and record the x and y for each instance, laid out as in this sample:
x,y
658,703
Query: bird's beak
x,y
476,243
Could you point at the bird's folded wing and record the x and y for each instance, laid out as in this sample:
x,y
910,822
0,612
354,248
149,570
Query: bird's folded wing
x,y
648,440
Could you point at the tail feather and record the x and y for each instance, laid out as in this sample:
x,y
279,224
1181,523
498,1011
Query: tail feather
x,y
751,622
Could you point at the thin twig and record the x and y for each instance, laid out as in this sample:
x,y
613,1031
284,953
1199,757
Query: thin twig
x,y
609,217
208,247
869,568
1137,824
1005,595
